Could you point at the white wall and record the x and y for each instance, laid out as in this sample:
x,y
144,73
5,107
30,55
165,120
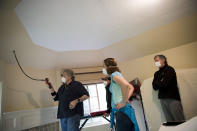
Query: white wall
x,y
181,57
26,119
187,80
152,107
2,79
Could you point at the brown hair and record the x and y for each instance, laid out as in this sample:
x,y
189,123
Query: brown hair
x,y
111,65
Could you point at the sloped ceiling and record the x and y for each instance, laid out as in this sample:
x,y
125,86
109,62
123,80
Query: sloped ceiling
x,y
130,35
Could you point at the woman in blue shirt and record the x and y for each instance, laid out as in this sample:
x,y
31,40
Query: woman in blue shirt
x,y
121,91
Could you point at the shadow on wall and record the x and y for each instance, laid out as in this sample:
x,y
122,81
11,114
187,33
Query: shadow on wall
x,y
32,101
1,87
157,104
44,101
45,98
29,96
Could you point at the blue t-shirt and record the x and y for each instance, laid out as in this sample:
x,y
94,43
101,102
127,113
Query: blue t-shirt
x,y
115,89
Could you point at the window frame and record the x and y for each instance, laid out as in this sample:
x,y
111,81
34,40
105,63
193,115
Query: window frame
x,y
98,99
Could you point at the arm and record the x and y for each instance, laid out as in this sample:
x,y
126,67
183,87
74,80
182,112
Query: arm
x,y
54,94
166,78
83,95
126,88
83,98
73,103
155,87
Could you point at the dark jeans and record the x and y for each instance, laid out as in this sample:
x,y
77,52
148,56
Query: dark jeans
x,y
123,123
70,123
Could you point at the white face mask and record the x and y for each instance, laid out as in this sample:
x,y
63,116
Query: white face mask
x,y
105,83
157,64
105,71
63,80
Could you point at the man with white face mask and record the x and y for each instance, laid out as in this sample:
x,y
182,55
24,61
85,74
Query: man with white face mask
x,y
166,82
70,96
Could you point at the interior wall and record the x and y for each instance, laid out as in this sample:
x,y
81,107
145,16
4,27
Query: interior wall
x,y
84,78
171,35
2,79
187,88
21,93
182,57
187,82
143,68
152,106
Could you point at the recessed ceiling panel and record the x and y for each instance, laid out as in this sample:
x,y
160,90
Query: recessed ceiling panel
x,y
69,25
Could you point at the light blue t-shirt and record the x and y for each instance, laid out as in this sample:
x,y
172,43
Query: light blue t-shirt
x,y
115,89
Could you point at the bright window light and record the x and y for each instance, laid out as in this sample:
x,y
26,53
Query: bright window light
x,y
97,100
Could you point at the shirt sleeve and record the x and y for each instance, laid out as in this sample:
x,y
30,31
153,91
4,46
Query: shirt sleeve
x,y
115,74
155,87
82,90
55,96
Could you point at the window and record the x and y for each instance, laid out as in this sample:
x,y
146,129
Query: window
x,y
97,100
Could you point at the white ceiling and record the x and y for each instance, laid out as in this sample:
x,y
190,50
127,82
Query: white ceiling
x,y
34,29
71,25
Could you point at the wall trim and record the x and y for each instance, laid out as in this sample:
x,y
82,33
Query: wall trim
x,y
25,119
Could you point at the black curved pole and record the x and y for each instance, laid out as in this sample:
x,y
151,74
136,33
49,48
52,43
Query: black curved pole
x,y
23,70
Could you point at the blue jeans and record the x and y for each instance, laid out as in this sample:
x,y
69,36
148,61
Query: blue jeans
x,y
70,123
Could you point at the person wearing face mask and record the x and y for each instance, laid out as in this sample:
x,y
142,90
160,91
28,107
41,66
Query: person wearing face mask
x,y
165,81
121,91
107,81
70,96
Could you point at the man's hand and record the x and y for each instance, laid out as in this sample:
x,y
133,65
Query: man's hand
x,y
73,104
120,105
52,90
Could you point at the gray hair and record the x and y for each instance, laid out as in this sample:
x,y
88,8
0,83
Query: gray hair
x,y
70,73
161,57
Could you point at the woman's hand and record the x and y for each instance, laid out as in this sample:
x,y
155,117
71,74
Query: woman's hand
x,y
120,105
73,104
